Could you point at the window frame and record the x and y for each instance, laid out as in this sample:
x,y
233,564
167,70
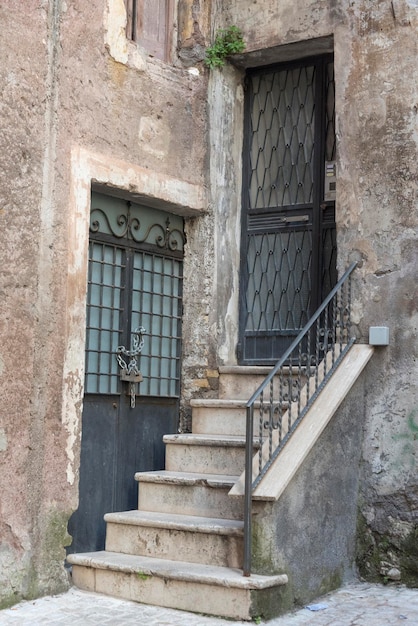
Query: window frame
x,y
134,33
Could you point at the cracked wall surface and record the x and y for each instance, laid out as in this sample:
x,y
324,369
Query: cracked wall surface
x,y
80,102
375,48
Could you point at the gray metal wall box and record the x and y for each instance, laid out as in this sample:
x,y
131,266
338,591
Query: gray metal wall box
x,y
379,336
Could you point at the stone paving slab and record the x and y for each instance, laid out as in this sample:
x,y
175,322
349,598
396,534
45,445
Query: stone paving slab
x,y
357,604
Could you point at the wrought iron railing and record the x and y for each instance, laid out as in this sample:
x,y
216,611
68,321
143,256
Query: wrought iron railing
x,y
280,403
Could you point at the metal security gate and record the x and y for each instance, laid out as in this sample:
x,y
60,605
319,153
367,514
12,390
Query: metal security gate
x,y
288,261
132,364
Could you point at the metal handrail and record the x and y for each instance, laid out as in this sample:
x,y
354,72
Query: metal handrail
x,y
293,385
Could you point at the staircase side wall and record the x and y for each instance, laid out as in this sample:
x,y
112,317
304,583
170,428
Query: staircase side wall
x,y
310,532
387,549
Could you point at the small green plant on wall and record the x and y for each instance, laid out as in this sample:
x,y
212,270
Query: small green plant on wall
x,y
227,41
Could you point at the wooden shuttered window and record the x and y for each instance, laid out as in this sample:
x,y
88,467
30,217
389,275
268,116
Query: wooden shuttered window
x,y
149,25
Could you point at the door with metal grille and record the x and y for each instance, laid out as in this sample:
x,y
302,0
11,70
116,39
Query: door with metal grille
x,y
132,365
288,260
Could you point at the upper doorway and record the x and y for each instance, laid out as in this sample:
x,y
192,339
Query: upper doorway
x,y
288,258
134,309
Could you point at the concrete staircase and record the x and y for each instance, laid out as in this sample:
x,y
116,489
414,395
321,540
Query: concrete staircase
x,y
183,547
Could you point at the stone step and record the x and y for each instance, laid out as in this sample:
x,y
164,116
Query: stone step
x,y
240,382
187,493
195,539
180,585
218,417
223,417
206,454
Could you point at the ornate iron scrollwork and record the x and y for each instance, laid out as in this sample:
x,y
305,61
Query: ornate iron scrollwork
x,y
170,238
129,223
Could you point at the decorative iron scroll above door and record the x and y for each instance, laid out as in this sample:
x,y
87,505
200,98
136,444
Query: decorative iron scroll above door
x,y
141,224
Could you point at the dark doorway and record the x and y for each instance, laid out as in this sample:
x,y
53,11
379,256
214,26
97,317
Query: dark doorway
x,y
134,313
288,261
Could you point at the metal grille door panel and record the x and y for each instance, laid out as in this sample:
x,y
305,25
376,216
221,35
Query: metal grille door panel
x,y
282,142
274,260
156,304
289,251
134,282
104,311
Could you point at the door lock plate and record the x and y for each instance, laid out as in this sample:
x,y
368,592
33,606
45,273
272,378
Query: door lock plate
x,y
133,377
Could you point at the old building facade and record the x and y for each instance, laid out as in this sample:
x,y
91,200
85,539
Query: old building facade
x,y
116,133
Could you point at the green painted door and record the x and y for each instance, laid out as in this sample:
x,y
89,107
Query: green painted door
x,y
135,280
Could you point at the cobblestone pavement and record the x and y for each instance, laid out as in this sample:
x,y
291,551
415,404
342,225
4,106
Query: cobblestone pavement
x,y
357,604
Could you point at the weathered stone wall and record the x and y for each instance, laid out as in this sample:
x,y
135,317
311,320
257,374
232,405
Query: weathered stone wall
x,y
310,532
79,102
375,46
31,330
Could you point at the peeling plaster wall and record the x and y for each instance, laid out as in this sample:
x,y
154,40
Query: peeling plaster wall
x,y
79,103
29,342
376,48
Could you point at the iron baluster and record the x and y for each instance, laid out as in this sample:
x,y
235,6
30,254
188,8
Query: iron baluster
x,y
271,420
281,403
260,428
334,326
299,379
